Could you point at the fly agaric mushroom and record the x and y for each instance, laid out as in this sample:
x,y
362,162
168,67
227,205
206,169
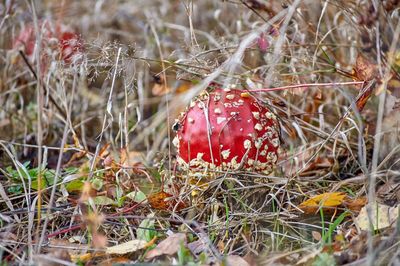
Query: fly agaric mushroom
x,y
59,39
227,129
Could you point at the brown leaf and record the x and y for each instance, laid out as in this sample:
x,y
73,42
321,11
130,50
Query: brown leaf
x,y
258,5
235,260
364,95
130,158
316,235
319,166
104,151
115,261
160,86
87,192
168,246
355,205
59,254
165,201
183,86
75,157
364,70
99,240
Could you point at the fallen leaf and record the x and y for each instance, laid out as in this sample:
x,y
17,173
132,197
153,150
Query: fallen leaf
x,y
56,254
316,235
127,247
319,166
99,240
130,158
198,185
103,201
82,257
325,201
164,201
394,87
146,230
168,246
160,86
183,86
115,261
136,196
382,216
364,69
355,205
234,260
365,94
197,247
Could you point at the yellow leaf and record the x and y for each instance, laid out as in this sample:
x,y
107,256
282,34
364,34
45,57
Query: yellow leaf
x,y
82,258
127,247
333,199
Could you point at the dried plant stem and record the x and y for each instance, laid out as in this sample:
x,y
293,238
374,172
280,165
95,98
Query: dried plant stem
x,y
53,191
308,85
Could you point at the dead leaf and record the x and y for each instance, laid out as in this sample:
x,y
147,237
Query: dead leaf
x,y
99,240
87,192
394,87
221,246
319,166
199,246
234,260
389,192
160,86
82,258
325,201
58,254
355,205
168,246
382,216
364,70
164,201
115,261
130,158
198,185
316,235
365,94
104,151
183,86
127,247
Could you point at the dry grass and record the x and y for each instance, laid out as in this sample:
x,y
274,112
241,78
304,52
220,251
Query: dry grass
x,y
99,120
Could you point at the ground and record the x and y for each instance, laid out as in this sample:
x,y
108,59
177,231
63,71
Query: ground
x,y
92,94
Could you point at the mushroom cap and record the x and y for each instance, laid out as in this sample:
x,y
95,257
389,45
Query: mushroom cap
x,y
227,129
68,42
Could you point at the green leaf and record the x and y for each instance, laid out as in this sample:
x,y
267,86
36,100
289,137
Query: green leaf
x,y
327,237
136,196
15,189
146,230
324,259
74,185
97,184
103,201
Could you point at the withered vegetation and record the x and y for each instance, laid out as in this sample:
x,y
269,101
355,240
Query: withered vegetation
x,y
86,156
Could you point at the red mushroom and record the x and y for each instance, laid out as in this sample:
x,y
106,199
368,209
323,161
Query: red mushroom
x,y
227,129
67,43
